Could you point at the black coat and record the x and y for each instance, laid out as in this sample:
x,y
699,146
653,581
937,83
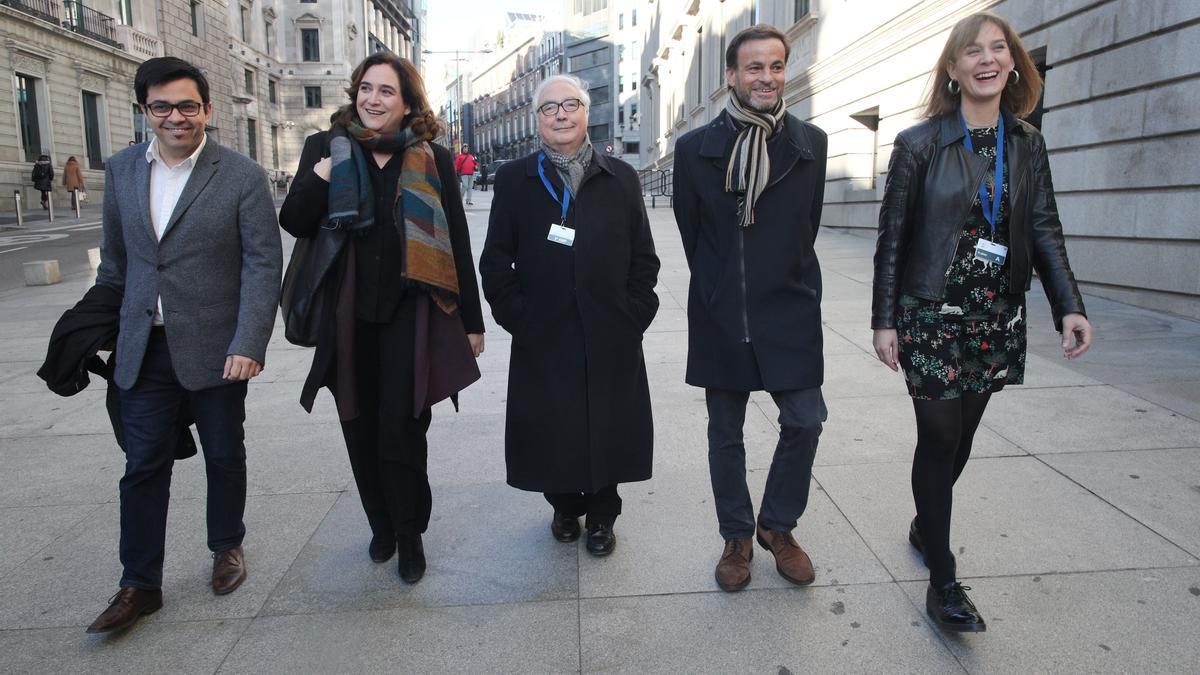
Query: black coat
x,y
754,303
932,182
90,326
43,176
578,401
307,206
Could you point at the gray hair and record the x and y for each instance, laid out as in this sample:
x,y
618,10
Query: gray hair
x,y
571,80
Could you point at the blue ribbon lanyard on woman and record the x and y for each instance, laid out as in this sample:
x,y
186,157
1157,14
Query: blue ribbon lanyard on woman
x,y
986,250
559,232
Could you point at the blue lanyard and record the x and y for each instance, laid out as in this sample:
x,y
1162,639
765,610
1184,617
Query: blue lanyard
x,y
565,202
993,214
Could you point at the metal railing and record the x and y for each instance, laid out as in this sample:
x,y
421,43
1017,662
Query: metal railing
x,y
658,183
43,9
87,21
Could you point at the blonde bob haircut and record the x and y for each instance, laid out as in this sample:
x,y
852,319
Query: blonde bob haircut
x,y
1019,98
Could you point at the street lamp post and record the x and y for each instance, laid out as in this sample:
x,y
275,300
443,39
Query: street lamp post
x,y
456,123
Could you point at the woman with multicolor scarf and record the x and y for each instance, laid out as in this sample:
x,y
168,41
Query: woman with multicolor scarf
x,y
401,323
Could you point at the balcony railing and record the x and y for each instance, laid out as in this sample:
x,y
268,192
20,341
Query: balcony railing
x,y
139,44
43,9
87,21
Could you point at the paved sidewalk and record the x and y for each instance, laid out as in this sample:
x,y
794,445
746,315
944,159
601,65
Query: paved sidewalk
x,y
1077,524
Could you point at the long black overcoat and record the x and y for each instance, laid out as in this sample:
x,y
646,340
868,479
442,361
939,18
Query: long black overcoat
x,y
578,415
754,303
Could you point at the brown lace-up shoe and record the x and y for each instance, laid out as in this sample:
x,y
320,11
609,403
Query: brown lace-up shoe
x,y
125,608
229,570
733,570
791,561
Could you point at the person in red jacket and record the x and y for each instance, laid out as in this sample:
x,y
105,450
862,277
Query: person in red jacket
x,y
464,165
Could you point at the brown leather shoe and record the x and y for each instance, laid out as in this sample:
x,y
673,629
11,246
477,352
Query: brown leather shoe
x,y
791,561
229,570
125,608
733,570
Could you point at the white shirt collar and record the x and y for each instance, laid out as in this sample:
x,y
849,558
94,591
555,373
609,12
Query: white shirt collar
x,y
153,155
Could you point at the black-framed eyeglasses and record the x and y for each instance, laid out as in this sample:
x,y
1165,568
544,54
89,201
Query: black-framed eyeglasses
x,y
550,108
185,108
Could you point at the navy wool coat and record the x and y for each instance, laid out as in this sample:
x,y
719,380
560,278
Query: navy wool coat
x,y
754,302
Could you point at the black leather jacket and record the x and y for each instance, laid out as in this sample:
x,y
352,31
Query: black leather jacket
x,y
931,183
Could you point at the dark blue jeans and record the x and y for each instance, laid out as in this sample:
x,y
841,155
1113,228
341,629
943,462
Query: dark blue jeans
x,y
149,412
801,413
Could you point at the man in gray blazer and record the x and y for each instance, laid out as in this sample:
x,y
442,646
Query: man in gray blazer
x,y
191,239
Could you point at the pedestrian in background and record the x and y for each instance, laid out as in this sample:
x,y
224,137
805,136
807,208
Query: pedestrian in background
x,y
483,178
43,178
464,165
191,246
569,269
402,318
968,213
73,180
749,187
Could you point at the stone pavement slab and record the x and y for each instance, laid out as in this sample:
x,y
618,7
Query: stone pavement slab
x,y
672,544
530,637
149,647
1012,515
1087,418
847,629
1132,621
1158,488
486,544
68,582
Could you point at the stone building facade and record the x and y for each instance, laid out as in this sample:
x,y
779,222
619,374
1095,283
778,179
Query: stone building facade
x,y
277,69
1122,88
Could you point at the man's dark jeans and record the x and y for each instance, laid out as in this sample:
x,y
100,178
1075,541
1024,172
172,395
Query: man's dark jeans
x,y
801,413
149,412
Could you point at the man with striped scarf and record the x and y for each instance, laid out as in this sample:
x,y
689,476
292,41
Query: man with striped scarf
x,y
748,193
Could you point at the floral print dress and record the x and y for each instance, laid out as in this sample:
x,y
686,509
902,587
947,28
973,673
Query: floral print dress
x,y
974,339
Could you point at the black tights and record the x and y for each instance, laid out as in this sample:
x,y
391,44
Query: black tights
x,y
945,430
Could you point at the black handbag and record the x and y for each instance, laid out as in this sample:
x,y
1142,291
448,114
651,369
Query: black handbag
x,y
302,298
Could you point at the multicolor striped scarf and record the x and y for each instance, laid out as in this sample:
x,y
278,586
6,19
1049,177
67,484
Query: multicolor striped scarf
x,y
749,169
428,256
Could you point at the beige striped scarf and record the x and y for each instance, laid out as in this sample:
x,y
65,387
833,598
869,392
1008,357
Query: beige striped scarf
x,y
749,168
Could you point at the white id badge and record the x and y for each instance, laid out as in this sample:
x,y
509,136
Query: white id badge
x,y
989,252
561,235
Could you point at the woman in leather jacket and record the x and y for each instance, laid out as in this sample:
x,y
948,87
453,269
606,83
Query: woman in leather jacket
x,y
968,213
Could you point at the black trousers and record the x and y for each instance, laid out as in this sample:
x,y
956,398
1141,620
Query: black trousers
x,y
150,422
801,413
601,507
386,442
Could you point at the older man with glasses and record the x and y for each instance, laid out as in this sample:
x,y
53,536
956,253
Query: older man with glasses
x,y
569,270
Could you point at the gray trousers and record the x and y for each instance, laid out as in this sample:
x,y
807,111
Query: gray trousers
x,y
801,413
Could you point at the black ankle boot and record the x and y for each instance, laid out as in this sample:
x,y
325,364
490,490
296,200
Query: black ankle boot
x,y
382,547
950,608
601,540
412,557
914,537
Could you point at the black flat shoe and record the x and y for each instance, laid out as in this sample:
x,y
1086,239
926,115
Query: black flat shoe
x,y
564,528
601,540
951,609
382,548
412,558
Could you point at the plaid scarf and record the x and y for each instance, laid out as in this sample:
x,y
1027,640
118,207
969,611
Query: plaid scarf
x,y
571,167
749,168
428,255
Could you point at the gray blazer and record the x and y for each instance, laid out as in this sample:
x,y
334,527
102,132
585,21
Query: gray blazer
x,y
217,267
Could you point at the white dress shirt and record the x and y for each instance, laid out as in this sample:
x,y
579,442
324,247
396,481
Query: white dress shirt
x,y
166,185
